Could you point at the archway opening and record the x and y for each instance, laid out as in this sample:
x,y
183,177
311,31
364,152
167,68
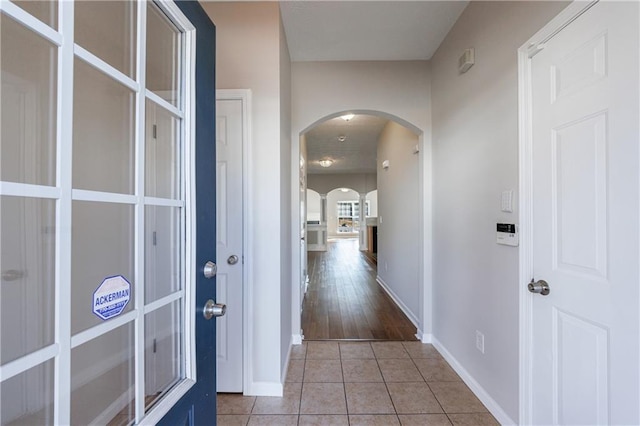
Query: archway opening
x,y
348,161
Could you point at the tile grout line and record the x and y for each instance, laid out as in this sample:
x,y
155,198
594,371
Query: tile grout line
x,y
430,390
304,367
344,385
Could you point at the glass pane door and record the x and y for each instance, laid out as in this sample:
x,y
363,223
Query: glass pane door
x,y
93,213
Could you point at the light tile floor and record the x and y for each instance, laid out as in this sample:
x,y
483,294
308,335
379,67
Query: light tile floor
x,y
359,384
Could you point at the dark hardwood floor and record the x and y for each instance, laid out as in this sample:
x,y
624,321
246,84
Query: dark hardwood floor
x,y
344,301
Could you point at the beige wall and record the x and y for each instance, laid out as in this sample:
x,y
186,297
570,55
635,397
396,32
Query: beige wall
x,y
399,216
249,55
359,182
286,211
475,158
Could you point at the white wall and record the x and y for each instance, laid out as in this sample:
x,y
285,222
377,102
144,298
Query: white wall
x,y
397,90
248,55
372,197
475,157
360,182
314,205
321,89
399,216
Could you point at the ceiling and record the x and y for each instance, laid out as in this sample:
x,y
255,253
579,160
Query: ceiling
x,y
367,30
356,154
334,30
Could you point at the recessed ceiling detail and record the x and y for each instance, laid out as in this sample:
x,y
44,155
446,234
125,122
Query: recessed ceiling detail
x,y
357,154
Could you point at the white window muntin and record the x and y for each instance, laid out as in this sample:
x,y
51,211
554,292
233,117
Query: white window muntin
x,y
349,211
65,194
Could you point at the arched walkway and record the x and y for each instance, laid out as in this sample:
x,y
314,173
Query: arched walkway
x,y
346,298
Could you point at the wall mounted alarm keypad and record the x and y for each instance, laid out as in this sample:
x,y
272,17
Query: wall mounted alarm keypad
x,y
507,234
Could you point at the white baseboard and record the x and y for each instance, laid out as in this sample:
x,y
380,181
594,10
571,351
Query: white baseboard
x,y
296,339
493,407
292,341
412,317
265,389
424,337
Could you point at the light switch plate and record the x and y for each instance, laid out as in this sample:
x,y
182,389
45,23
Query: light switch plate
x,y
507,201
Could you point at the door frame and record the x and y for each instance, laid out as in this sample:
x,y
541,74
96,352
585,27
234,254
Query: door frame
x,y
525,148
244,96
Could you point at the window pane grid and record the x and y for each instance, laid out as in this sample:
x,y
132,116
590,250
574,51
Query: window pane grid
x,y
68,197
348,215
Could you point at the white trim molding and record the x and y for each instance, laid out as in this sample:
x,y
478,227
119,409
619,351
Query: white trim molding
x,y
525,139
493,407
424,337
404,308
265,389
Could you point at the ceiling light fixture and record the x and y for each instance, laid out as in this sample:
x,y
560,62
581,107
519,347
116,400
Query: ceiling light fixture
x,y
344,189
347,117
326,163
342,138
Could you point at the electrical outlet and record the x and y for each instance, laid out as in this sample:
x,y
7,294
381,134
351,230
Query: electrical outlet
x,y
480,341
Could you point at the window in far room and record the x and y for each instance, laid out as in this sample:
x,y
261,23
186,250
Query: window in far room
x,y
349,215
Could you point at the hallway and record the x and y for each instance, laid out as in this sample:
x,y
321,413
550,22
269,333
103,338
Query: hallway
x,y
344,301
362,383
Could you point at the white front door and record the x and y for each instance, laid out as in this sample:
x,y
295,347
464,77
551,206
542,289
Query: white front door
x,y
585,333
229,206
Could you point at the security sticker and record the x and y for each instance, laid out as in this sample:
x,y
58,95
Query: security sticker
x,y
111,297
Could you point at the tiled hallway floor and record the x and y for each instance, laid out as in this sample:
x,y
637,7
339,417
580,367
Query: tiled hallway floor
x,y
361,383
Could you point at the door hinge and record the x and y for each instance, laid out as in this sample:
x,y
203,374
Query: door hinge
x,y
155,238
154,346
155,131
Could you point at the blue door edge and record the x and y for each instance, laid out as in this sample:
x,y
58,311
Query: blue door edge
x,y
198,405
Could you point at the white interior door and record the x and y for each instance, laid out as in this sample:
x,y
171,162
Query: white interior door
x,y
229,207
585,348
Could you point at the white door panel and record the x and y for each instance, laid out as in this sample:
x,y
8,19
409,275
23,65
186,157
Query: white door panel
x,y
229,207
585,221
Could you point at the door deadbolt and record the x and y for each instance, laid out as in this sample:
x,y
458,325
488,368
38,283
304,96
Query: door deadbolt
x,y
210,269
232,260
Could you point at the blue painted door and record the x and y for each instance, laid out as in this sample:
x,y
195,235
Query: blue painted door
x,y
198,406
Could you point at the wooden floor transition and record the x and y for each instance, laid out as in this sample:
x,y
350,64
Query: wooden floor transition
x,y
344,301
